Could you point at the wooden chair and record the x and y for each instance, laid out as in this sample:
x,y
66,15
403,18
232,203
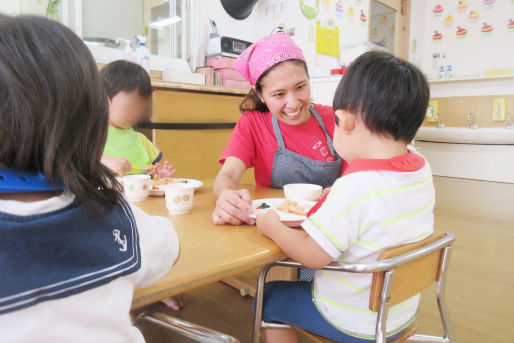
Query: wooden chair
x,y
398,274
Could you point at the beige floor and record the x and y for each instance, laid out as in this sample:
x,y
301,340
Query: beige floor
x,y
480,284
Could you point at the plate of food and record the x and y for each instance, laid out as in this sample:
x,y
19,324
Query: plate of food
x,y
291,212
156,188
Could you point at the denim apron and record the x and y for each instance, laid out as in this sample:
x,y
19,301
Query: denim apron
x,y
290,167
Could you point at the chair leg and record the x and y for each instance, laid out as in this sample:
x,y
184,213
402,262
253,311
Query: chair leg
x,y
385,300
258,304
441,296
193,331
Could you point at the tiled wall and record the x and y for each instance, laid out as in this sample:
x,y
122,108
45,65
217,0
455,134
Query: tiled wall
x,y
453,111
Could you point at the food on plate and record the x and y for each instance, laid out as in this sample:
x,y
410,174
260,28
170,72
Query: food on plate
x,y
166,181
290,206
263,206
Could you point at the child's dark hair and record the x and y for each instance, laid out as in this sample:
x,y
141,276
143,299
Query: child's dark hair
x,y
125,76
54,109
252,101
390,95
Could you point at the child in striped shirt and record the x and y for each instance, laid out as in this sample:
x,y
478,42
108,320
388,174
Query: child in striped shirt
x,y
384,198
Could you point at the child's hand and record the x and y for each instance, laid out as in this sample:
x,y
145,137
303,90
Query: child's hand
x,y
176,302
118,165
266,221
166,170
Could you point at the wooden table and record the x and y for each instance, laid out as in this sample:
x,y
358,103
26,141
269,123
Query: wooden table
x,y
208,253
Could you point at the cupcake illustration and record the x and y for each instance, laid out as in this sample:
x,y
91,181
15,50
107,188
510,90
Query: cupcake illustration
x,y
462,6
351,14
510,26
339,9
438,10
486,30
358,3
473,16
325,4
383,20
461,32
488,4
448,21
363,18
437,37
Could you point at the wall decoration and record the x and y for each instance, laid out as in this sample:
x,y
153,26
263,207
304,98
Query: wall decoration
x,y
309,8
488,4
475,41
486,30
327,40
437,37
383,20
448,21
358,3
325,5
339,9
461,33
363,18
438,10
462,6
351,14
473,16
373,34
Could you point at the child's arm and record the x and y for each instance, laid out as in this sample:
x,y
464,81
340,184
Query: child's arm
x,y
118,165
296,244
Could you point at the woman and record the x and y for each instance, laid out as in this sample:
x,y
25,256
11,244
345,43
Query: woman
x,y
280,133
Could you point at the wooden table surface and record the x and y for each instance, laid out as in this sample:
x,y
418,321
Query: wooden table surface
x,y
208,253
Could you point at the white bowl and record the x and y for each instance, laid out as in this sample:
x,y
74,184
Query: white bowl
x,y
302,191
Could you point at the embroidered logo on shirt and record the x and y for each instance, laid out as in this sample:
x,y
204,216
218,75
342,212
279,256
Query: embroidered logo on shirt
x,y
117,239
317,145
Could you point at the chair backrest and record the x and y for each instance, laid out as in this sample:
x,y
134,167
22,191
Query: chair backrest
x,y
410,278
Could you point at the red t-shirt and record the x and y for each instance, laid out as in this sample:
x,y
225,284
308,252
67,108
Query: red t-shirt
x,y
253,141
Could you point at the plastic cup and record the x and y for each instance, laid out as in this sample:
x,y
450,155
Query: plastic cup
x,y
179,197
136,187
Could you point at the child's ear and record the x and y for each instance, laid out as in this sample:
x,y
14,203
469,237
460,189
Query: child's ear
x,y
346,121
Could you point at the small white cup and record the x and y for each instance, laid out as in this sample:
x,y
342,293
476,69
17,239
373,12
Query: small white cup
x,y
179,197
136,187
302,191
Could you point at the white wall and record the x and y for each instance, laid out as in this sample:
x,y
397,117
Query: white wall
x,y
268,14
471,56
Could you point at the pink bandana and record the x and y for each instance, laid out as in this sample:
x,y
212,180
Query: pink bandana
x,y
264,54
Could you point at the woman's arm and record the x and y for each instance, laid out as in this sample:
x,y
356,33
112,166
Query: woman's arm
x,y
232,206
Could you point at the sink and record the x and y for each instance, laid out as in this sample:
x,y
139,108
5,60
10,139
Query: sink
x,y
484,135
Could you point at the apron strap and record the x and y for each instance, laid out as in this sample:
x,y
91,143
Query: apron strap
x,y
278,134
320,121
280,139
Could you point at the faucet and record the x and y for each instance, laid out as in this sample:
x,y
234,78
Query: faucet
x,y
507,122
470,120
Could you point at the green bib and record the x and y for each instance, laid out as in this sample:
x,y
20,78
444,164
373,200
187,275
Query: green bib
x,y
132,145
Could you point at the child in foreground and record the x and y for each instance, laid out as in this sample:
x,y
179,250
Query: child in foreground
x,y
384,198
130,94
72,250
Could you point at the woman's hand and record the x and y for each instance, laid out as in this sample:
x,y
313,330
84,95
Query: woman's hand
x,y
166,170
267,221
233,207
118,165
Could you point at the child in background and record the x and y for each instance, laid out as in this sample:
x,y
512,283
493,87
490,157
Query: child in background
x,y
71,248
130,93
384,198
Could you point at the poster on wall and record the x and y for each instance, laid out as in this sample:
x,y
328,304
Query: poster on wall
x,y
469,38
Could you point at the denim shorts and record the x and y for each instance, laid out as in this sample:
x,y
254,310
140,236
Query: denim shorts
x,y
290,302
